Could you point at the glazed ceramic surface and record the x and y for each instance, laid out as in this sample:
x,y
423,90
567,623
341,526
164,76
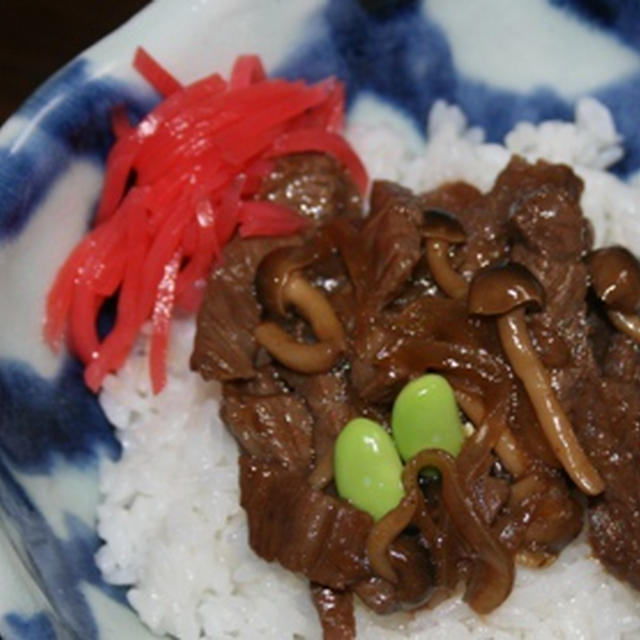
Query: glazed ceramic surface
x,y
501,61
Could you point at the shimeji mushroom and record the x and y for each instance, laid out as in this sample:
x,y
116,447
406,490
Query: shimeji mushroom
x,y
280,283
512,455
505,291
615,278
441,230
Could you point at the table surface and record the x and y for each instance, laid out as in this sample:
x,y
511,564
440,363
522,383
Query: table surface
x,y
37,37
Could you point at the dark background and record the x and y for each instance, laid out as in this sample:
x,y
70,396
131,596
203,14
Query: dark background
x,y
37,37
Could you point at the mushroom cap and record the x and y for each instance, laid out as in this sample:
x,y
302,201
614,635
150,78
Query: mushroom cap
x,y
442,225
279,266
272,276
498,289
615,277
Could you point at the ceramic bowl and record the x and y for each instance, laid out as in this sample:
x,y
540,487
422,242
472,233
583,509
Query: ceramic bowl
x,y
501,61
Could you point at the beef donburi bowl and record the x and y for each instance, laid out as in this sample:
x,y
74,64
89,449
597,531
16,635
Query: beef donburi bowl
x,y
346,336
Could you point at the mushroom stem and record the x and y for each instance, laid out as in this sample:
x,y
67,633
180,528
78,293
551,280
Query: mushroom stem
x,y
451,282
491,577
535,559
511,454
313,305
626,323
525,488
317,310
385,531
553,420
322,473
299,356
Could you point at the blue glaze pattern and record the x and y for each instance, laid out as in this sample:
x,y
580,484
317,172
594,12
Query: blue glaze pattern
x,y
48,557
390,49
42,420
404,59
407,60
78,125
35,627
618,17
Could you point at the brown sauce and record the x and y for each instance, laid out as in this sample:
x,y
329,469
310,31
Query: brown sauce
x,y
398,322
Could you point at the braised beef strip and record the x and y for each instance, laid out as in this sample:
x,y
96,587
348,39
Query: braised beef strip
x,y
507,495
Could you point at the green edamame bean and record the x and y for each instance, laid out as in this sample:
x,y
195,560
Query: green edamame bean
x,y
367,468
425,416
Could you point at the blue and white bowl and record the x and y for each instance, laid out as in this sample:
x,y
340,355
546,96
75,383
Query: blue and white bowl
x,y
501,61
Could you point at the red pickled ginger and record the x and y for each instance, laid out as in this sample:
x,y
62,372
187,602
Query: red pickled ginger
x,y
196,161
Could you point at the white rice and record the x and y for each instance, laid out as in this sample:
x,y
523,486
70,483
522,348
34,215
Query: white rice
x,y
170,517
